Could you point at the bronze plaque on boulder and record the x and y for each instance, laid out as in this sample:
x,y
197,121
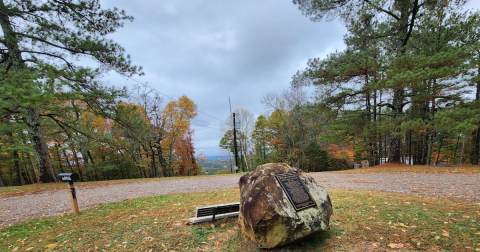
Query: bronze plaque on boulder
x,y
296,191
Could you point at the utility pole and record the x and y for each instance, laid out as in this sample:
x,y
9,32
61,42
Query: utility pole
x,y
235,142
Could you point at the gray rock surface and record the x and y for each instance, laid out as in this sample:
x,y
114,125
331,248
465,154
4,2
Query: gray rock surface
x,y
267,216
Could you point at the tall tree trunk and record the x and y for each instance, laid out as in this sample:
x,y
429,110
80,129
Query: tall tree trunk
x,y
2,183
395,140
93,162
16,160
32,167
170,161
142,170
162,161
125,167
407,22
31,117
455,152
42,158
78,164
154,163
439,149
476,147
104,172
86,164
375,131
18,169
68,161
424,148
463,150
476,133
430,148
59,158
379,136
410,158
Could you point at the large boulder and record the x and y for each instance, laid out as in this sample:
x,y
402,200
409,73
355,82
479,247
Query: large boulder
x,y
267,215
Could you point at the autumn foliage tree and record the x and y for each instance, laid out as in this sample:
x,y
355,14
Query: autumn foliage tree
x,y
130,141
41,42
186,164
175,122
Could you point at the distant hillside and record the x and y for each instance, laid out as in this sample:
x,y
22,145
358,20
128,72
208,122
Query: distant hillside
x,y
215,163
217,157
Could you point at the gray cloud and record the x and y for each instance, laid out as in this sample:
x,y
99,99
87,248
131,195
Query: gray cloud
x,y
215,49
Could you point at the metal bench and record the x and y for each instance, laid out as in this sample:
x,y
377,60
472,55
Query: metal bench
x,y
210,213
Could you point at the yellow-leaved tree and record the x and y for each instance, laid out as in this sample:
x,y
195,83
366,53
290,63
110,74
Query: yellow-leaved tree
x,y
176,119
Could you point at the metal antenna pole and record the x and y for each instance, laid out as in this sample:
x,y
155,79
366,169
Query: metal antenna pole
x,y
235,142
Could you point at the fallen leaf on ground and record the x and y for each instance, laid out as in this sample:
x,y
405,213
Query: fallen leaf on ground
x,y
396,237
396,245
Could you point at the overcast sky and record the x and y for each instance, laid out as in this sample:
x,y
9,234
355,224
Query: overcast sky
x,y
210,50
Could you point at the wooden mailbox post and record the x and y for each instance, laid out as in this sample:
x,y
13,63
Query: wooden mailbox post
x,y
70,178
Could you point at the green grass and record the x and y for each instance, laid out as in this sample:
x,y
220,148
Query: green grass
x,y
362,220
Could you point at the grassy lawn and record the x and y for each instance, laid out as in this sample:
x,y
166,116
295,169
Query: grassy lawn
x,y
396,168
362,221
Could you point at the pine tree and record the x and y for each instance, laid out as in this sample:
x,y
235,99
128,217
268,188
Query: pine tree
x,y
41,43
409,50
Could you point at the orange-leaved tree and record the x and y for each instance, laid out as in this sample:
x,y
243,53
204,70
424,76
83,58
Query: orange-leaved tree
x,y
176,121
186,164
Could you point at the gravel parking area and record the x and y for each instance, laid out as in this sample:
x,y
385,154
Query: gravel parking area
x,y
458,186
14,209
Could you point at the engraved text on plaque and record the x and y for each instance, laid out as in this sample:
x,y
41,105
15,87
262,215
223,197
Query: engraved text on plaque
x,y
295,190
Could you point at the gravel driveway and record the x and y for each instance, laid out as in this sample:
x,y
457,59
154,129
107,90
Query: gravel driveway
x,y
14,209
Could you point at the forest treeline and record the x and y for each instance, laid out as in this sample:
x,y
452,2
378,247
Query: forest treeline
x,y
57,116
139,137
405,89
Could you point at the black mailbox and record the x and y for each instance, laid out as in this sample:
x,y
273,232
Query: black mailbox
x,y
68,177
